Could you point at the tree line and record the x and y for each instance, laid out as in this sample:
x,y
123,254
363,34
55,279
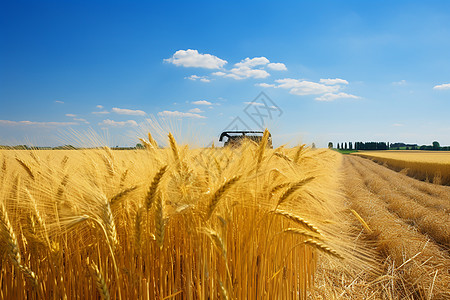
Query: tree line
x,y
435,146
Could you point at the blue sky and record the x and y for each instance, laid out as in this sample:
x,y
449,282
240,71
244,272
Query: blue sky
x,y
333,70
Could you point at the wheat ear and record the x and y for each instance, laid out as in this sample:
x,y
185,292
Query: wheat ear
x,y
120,195
100,282
293,189
283,156
152,141
109,224
217,240
298,220
150,196
324,248
12,245
160,223
262,148
173,146
219,194
138,228
26,167
223,291
298,152
304,233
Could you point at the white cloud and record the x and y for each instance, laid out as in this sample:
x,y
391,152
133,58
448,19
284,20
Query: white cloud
x,y
200,78
108,122
251,68
254,103
33,123
332,97
444,86
130,112
104,112
277,66
196,110
99,106
303,87
397,125
81,120
58,101
175,113
191,58
401,82
265,85
252,62
71,115
330,81
201,102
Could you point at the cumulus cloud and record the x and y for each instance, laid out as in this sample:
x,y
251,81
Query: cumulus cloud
x,y
33,123
130,112
71,115
191,58
332,97
99,106
111,123
200,78
277,66
180,114
252,62
330,81
251,68
444,86
303,87
104,112
265,85
196,110
201,102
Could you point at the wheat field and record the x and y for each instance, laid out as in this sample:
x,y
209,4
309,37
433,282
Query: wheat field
x,y
431,166
218,223
173,223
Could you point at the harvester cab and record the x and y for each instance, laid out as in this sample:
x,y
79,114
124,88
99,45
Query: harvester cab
x,y
235,138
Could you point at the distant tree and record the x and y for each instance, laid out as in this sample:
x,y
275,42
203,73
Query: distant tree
x,y
350,146
346,147
339,147
436,145
139,146
330,145
313,146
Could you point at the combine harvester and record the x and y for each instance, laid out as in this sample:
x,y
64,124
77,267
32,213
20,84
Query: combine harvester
x,y
235,138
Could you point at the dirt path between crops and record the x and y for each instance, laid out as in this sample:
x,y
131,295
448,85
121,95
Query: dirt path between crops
x,y
408,227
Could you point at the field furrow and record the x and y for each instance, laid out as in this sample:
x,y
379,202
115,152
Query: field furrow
x,y
429,195
430,221
414,266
